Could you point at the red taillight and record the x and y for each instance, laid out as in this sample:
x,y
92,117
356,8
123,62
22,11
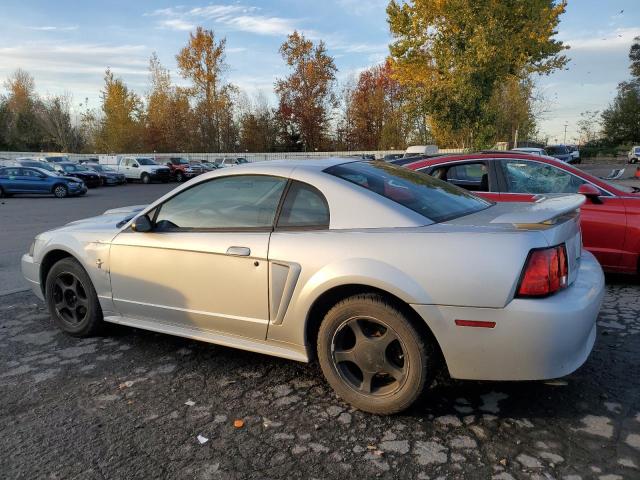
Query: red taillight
x,y
546,272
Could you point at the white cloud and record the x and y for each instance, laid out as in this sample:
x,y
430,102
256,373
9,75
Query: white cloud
x,y
238,17
619,38
71,58
364,7
51,28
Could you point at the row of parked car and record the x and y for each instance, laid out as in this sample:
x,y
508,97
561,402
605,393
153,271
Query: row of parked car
x,y
61,177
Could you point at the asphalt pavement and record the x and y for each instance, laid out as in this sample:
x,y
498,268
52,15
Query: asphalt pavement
x,y
140,405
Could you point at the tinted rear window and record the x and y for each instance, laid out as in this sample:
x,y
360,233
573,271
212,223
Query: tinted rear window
x,y
432,198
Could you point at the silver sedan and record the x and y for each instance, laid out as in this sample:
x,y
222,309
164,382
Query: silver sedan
x,y
382,274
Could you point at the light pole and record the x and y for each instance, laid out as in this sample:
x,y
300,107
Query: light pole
x,y
566,124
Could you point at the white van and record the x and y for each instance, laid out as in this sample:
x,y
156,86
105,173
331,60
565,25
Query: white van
x,y
421,150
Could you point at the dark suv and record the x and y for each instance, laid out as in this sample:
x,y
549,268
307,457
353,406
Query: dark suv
x,y
90,178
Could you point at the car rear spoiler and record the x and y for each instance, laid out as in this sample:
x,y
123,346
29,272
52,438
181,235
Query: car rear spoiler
x,y
546,211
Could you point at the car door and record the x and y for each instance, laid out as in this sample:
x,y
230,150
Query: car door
x,y
204,265
35,182
477,176
603,220
11,180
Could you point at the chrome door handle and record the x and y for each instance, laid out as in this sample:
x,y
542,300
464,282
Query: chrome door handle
x,y
239,251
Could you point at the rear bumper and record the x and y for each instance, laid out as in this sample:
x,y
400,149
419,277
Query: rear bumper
x,y
31,273
533,339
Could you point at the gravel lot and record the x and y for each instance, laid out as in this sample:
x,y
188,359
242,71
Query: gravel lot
x,y
132,404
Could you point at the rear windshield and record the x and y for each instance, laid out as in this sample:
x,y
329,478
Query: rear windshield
x,y
432,198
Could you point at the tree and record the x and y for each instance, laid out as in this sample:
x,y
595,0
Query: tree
x,y
121,123
306,96
453,55
23,132
621,119
202,61
589,126
634,57
55,119
512,111
257,130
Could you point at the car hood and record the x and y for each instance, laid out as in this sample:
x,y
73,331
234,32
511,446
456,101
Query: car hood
x,y
113,219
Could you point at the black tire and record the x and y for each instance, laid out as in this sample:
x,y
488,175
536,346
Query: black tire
x,y
2,194
145,178
60,191
72,300
179,177
388,350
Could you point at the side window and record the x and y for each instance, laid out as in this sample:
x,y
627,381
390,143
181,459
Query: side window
x,y
304,206
534,177
472,176
239,201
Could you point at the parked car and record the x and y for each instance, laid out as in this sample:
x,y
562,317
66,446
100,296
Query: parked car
x,y
561,152
108,175
392,156
303,258
610,218
575,154
634,154
143,169
31,180
530,150
226,162
421,150
209,166
89,177
56,158
181,169
28,162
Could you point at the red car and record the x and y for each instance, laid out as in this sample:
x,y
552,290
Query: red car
x,y
610,218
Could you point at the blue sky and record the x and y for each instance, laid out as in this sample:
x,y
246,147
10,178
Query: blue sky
x,y
66,45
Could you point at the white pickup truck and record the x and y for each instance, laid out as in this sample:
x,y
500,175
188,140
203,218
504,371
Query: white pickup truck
x,y
144,169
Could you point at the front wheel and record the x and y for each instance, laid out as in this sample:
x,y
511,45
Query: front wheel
x,y
145,178
72,300
179,177
60,191
372,355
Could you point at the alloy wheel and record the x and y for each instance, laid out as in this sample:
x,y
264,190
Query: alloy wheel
x,y
70,299
369,356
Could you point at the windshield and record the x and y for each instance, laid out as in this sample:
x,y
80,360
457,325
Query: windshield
x,y
432,198
145,161
181,161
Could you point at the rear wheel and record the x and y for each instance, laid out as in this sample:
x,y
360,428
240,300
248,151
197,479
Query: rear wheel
x,y
72,300
60,191
2,194
145,178
372,355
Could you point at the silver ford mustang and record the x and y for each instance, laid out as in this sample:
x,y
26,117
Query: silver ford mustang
x,y
381,273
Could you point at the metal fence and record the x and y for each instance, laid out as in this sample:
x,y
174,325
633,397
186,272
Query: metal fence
x,y
251,157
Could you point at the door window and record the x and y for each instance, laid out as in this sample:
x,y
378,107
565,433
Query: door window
x,y
11,172
304,207
27,172
534,177
471,176
235,202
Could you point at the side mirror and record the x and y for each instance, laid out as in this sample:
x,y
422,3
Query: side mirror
x,y
591,192
168,164
142,224
135,165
